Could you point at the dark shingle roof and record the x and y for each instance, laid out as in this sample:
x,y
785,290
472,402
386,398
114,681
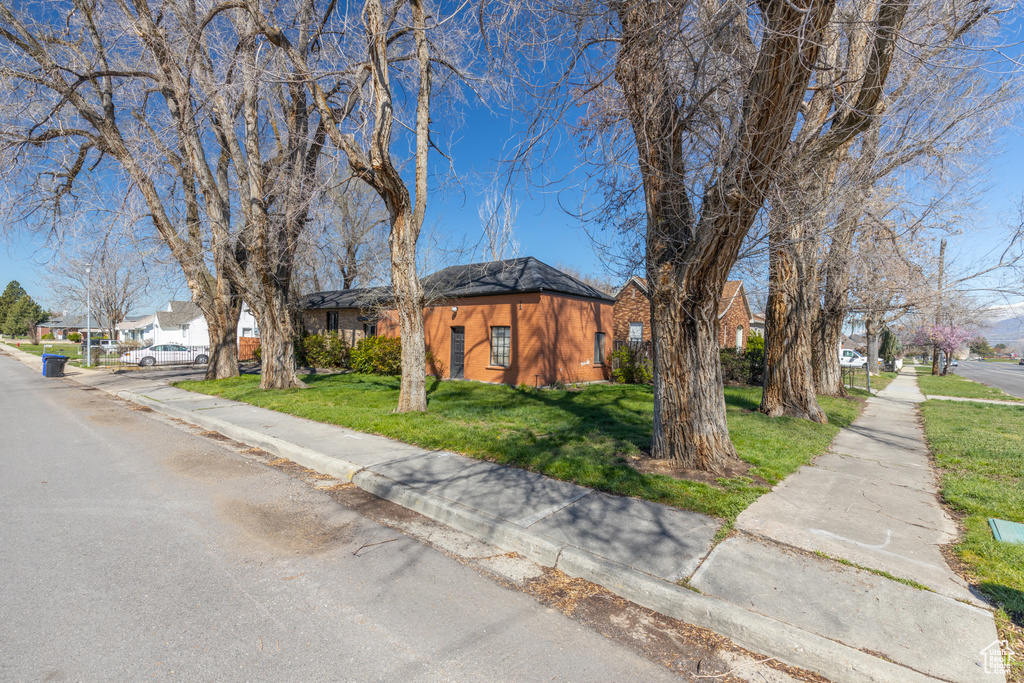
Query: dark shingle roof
x,y
366,297
511,276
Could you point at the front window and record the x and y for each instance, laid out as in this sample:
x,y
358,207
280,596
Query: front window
x,y
184,330
501,342
599,348
332,321
739,337
370,330
636,332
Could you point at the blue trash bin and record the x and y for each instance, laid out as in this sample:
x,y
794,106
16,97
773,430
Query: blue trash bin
x,y
53,364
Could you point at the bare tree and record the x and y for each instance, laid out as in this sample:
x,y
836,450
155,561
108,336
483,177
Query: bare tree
x,y
690,107
602,283
90,75
849,89
941,104
388,50
498,214
118,283
346,246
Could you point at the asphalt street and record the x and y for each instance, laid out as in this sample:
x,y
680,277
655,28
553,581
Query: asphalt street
x,y
133,549
1006,376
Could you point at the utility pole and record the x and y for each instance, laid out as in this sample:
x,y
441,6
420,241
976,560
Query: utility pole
x,y
938,305
88,315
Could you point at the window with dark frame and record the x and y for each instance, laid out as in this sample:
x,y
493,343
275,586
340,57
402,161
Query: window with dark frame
x,y
598,348
501,342
332,321
369,330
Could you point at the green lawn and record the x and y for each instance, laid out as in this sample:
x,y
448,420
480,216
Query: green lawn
x,y
878,382
980,448
581,436
72,350
955,385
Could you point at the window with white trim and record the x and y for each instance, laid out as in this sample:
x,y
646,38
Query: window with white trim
x,y
636,332
501,346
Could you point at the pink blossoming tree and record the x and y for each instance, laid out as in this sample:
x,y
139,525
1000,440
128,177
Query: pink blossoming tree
x,y
946,338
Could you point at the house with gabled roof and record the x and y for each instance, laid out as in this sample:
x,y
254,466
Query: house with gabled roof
x,y
180,322
516,321
633,314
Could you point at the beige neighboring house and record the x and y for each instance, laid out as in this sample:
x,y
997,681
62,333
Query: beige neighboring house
x,y
757,323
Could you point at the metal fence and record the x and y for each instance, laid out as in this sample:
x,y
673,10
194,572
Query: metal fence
x,y
854,377
158,354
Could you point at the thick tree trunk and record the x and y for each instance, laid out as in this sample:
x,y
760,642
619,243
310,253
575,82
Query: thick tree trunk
x,y
827,337
412,396
221,316
688,259
690,426
871,333
277,330
788,375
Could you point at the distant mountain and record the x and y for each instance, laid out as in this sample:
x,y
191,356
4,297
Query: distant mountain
x,y
1005,325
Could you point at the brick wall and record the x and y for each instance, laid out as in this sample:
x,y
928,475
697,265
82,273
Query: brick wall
x,y
737,316
350,327
552,337
632,305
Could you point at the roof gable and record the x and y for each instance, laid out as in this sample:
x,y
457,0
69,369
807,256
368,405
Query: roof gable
x,y
732,291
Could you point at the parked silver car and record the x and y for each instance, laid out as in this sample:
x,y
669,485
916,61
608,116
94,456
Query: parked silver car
x,y
165,354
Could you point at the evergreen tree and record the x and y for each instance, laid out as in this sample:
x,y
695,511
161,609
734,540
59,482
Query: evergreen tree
x,y
891,348
23,317
10,297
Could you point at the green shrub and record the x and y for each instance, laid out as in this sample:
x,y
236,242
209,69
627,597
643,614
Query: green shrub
x,y
734,367
327,350
48,335
75,337
744,367
755,359
630,366
377,356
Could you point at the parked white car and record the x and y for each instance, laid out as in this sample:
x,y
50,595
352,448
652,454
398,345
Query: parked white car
x,y
165,354
849,358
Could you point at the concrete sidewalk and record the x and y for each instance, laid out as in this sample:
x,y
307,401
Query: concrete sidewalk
x,y
870,501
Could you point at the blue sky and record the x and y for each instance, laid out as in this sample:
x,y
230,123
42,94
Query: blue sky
x,y
547,231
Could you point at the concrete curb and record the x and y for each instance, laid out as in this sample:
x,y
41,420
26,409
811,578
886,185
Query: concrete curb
x,y
505,535
750,630
324,464
747,629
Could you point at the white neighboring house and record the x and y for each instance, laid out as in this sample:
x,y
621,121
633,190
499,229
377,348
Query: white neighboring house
x,y
181,322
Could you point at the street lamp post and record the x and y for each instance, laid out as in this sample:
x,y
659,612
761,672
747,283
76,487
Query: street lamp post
x,y
88,315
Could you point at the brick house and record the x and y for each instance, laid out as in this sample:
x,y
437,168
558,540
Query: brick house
x,y
632,317
506,322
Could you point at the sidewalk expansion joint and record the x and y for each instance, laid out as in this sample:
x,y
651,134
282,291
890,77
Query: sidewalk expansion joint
x,y
530,520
